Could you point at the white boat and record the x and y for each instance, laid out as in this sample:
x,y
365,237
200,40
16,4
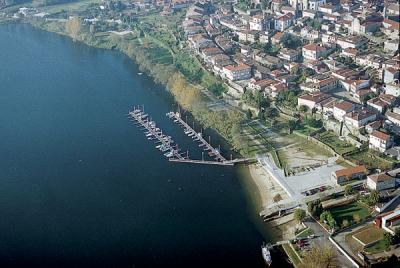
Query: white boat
x,y
169,154
266,254
139,73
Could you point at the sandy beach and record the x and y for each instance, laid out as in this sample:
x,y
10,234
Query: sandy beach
x,y
270,192
268,189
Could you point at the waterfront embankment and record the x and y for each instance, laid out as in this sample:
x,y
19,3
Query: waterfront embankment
x,y
266,192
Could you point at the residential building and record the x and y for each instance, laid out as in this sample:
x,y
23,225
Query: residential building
x,y
380,181
279,37
257,23
342,108
289,54
344,175
315,4
283,22
238,72
359,118
391,221
390,74
310,100
380,141
393,117
314,52
393,89
377,104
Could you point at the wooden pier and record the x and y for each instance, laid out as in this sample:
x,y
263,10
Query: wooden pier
x,y
171,149
154,133
207,146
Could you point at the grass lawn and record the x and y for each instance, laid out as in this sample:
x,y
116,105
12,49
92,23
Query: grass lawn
x,y
305,129
371,160
369,235
161,55
346,212
71,6
308,231
378,247
292,255
332,140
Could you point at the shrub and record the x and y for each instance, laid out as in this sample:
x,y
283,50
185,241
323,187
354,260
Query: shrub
x,y
299,214
356,218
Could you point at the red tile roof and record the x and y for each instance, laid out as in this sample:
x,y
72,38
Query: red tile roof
x,y
314,47
380,135
350,171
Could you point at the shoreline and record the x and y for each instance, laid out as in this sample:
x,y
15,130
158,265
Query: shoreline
x,y
266,189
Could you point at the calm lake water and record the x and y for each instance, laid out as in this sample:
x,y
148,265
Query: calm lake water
x,y
80,185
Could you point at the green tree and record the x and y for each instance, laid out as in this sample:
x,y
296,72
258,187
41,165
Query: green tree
x,y
373,198
299,214
388,239
321,256
366,97
348,190
292,125
271,113
315,208
249,114
312,122
356,218
303,108
327,218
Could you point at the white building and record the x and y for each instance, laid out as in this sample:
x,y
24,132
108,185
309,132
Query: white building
x,y
380,181
359,118
380,141
393,117
238,72
284,22
315,4
341,109
393,89
257,23
390,221
313,52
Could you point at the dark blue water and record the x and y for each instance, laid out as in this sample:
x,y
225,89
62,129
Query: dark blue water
x,y
81,186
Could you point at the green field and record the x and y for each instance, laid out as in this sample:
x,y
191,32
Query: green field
x,y
346,212
305,129
378,247
370,159
329,138
161,55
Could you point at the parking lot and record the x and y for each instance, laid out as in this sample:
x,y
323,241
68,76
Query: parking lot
x,y
313,180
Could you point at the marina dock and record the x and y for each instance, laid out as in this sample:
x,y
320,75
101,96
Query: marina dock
x,y
152,132
213,152
171,149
